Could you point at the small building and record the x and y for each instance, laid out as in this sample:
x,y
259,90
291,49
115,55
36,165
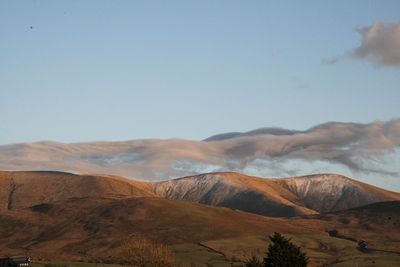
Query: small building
x,y
16,261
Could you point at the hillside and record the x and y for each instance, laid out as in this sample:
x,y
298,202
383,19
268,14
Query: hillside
x,y
25,189
274,197
93,227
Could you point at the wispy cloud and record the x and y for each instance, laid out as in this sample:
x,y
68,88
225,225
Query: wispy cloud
x,y
347,144
380,44
332,60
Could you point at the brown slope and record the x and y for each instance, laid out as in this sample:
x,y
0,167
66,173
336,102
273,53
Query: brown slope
x,y
274,197
377,223
25,189
93,227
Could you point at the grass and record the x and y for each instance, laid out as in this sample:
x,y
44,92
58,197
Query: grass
x,y
322,249
70,264
380,260
188,254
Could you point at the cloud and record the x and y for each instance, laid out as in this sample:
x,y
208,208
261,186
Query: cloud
x,y
380,44
332,60
266,130
351,145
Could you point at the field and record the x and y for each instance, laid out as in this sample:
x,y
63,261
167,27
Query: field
x,y
321,249
70,264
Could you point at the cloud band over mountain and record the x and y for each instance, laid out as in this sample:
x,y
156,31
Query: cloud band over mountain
x,y
347,144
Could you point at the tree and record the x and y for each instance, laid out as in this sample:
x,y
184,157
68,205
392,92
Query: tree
x,y
362,245
142,252
283,253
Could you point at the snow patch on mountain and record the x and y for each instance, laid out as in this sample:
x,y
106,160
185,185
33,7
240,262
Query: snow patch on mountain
x,y
331,192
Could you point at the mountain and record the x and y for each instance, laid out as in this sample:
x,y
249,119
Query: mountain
x,y
332,192
237,191
274,197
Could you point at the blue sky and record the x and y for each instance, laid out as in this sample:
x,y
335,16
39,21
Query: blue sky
x,y
122,70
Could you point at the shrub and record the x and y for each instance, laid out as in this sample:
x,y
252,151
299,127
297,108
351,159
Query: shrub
x,y
283,253
142,252
253,262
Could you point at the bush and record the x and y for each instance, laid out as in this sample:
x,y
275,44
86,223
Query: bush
x,y
283,253
333,233
253,262
142,252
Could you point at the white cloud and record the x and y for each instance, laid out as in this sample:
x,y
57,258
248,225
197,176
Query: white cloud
x,y
380,44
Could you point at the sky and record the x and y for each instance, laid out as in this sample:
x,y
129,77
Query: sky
x,y
80,71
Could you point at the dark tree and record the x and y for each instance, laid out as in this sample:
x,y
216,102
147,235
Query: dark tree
x,y
362,245
283,253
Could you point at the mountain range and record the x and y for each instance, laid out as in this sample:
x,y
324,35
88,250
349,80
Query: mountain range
x,y
286,197
58,215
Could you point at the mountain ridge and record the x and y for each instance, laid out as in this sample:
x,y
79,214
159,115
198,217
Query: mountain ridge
x,y
276,197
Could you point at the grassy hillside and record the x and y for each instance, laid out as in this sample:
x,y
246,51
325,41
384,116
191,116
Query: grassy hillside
x,y
91,229
25,189
83,228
